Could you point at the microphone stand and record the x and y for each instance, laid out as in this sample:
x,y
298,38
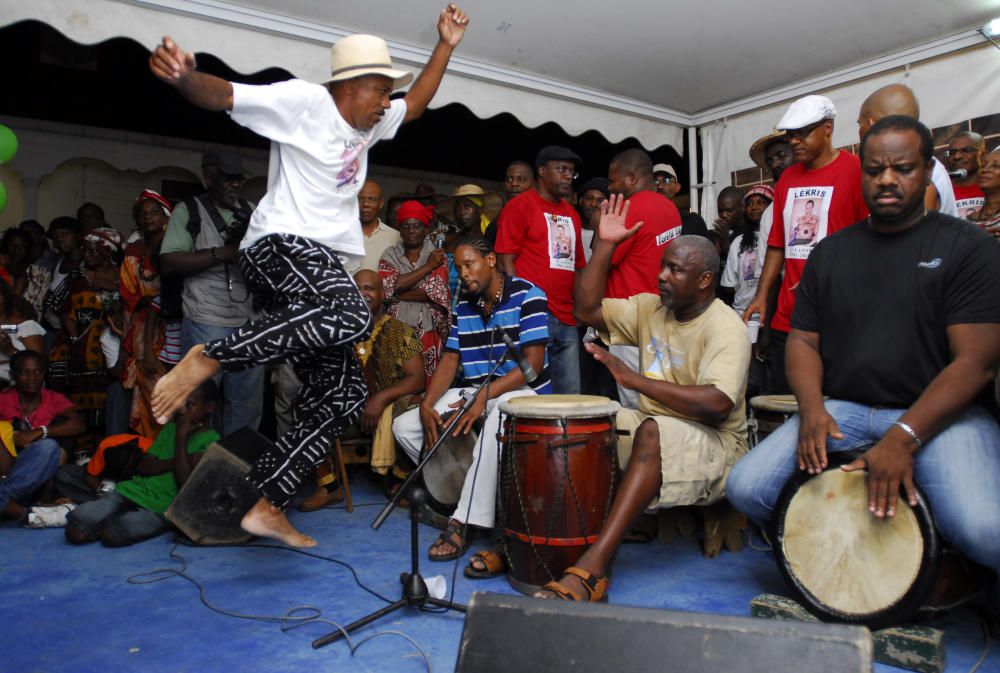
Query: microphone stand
x,y
415,594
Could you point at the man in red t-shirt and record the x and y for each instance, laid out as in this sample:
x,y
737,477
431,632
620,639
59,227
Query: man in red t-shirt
x,y
821,194
635,265
965,153
539,238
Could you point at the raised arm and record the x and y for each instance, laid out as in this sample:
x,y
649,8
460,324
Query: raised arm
x,y
451,27
178,69
589,291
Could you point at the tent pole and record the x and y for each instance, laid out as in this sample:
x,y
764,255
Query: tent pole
x,y
692,132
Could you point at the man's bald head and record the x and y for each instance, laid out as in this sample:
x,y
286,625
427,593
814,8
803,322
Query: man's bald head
x,y
630,171
698,250
370,286
894,99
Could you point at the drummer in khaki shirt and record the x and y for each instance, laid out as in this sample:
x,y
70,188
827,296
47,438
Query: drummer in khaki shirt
x,y
690,427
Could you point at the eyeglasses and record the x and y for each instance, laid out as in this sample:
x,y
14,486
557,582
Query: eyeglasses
x,y
800,134
964,150
565,170
665,180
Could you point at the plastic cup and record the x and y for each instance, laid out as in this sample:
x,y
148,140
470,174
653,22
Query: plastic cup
x,y
753,327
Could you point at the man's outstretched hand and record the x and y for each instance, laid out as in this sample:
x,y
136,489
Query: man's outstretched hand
x,y
612,215
451,25
170,63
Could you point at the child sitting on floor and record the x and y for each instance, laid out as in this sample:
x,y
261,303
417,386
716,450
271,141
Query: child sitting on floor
x,y
133,512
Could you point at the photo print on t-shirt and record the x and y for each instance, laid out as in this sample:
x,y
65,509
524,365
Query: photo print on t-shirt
x,y
748,265
352,163
966,207
806,216
562,242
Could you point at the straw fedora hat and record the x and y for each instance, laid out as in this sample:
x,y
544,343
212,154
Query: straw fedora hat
x,y
358,55
760,145
492,202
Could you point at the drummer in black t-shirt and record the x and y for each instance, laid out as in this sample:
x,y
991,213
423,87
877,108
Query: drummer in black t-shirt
x,y
897,320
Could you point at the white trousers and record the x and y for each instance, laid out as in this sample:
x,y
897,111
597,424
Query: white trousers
x,y
480,487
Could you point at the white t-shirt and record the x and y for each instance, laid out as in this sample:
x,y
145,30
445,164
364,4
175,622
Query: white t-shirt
x,y
946,193
25,329
766,220
318,162
742,273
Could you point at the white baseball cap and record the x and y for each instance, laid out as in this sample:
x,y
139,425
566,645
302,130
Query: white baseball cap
x,y
665,168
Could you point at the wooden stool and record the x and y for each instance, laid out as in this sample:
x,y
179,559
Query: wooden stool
x,y
720,525
355,447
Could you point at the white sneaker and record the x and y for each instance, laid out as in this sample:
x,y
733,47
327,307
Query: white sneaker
x,y
51,516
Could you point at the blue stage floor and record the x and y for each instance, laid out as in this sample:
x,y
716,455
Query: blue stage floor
x,y
72,610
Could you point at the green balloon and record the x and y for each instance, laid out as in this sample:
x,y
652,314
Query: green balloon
x,y
8,144
3,197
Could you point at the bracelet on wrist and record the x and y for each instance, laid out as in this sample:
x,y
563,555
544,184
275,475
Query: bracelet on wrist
x,y
45,431
910,431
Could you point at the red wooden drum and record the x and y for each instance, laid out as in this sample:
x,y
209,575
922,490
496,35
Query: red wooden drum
x,y
558,475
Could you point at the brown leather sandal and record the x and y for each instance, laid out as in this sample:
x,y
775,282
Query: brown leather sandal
x,y
451,535
493,565
597,587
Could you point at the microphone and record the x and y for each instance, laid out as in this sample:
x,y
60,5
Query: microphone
x,y
522,362
960,174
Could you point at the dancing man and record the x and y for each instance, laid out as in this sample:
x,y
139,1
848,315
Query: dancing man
x,y
303,232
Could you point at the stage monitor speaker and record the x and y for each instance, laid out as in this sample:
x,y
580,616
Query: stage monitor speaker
x,y
514,633
209,507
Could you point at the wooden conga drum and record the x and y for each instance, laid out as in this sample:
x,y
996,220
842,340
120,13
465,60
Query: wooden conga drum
x,y
557,479
845,563
768,413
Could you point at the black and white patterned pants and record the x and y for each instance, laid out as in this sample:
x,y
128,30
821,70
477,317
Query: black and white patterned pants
x,y
312,315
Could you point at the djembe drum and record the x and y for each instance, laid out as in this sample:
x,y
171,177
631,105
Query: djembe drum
x,y
558,475
847,564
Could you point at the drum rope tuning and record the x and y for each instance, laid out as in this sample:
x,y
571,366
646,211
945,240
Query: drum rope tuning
x,y
563,440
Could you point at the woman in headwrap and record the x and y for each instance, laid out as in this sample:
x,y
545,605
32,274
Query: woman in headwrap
x,y
416,282
91,303
144,329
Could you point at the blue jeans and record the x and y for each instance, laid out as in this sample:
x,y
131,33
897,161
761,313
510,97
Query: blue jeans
x,y
117,409
242,392
117,520
958,472
35,464
564,357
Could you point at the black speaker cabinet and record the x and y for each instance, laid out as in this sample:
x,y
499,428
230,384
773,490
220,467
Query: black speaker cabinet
x,y
209,507
529,635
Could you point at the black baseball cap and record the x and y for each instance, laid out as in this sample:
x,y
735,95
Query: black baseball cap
x,y
227,161
557,153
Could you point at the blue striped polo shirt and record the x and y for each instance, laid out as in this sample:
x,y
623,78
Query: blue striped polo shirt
x,y
522,314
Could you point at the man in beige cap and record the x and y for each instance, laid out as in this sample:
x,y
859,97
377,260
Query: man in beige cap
x,y
821,193
304,231
665,180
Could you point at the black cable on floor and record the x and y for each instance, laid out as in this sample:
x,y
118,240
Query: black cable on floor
x,y
298,616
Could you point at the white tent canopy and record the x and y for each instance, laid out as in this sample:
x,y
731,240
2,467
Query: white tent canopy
x,y
644,69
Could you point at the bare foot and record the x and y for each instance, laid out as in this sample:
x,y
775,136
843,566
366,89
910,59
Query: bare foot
x,y
173,389
266,520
